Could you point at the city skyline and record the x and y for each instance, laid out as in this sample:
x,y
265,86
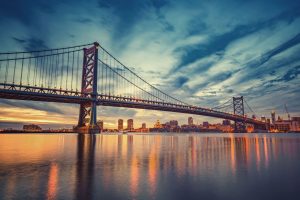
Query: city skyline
x,y
211,60
123,124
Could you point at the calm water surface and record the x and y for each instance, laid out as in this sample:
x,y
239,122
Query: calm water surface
x,y
144,166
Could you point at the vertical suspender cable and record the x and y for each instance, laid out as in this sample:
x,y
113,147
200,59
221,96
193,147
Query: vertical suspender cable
x,y
109,89
41,71
77,71
34,71
6,70
45,73
56,70
67,70
29,71
22,69
72,70
40,68
61,72
102,75
51,70
15,65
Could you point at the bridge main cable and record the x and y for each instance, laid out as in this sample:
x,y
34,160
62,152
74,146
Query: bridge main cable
x,y
133,73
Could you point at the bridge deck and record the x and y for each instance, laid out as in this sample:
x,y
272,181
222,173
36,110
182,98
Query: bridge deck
x,y
19,92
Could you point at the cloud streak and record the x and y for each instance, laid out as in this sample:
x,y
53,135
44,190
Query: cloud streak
x,y
202,52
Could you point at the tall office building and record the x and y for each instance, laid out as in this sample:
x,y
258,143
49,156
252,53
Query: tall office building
x,y
130,124
273,117
226,122
173,123
100,124
31,127
143,125
190,121
120,124
205,124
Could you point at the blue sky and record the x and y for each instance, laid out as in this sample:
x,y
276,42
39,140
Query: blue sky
x,y
203,52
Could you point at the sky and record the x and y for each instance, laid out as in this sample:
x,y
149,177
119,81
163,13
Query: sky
x,y
202,52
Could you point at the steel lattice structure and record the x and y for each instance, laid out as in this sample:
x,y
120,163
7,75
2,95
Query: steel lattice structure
x,y
238,109
92,79
88,110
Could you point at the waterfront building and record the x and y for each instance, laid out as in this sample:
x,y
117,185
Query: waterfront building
x,y
157,124
173,123
100,125
190,121
226,122
32,127
295,124
205,124
120,124
273,117
143,125
283,125
130,124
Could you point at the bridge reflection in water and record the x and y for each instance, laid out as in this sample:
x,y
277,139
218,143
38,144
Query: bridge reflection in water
x,y
149,166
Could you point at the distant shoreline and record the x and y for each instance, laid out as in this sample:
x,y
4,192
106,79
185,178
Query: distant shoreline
x,y
30,132
129,133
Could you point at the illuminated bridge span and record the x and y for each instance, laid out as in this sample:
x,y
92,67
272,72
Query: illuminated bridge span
x,y
94,78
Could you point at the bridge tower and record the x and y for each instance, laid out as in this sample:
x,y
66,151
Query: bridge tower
x,y
238,109
87,122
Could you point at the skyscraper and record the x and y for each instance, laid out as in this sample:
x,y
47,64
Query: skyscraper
x,y
190,121
226,122
143,125
120,124
173,123
273,117
205,124
130,124
100,124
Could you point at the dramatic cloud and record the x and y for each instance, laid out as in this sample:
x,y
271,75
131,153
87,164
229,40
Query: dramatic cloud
x,y
202,52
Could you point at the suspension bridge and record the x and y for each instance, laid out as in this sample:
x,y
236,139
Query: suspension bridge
x,y
90,76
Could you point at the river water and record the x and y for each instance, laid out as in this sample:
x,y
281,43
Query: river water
x,y
150,166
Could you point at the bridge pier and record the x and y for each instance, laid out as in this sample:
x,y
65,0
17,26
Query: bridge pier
x,y
94,129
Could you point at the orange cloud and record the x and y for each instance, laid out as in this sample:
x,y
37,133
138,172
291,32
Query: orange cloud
x,y
33,116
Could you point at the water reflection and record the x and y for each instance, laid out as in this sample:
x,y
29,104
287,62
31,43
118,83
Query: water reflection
x,y
52,181
85,166
147,166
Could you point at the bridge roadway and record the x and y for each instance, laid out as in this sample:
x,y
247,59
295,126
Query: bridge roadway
x,y
22,92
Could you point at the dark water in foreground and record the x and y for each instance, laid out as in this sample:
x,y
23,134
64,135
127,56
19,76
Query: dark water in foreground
x,y
173,166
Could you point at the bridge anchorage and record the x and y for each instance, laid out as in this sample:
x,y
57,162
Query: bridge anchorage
x,y
97,78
